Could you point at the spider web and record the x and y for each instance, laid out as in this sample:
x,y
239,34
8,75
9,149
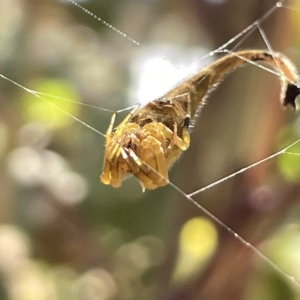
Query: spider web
x,y
144,59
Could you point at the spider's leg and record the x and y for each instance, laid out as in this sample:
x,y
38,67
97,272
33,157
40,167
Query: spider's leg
x,y
153,161
106,173
110,127
186,124
106,176
113,153
111,174
160,162
115,180
142,172
127,118
132,166
184,142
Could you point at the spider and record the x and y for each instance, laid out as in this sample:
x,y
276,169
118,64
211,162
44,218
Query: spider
x,y
150,139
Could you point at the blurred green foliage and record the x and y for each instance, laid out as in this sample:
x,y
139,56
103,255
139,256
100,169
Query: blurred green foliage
x,y
45,107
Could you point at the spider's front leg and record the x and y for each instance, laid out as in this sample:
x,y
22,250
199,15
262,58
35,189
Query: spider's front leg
x,y
116,163
141,170
108,169
157,151
154,166
182,142
113,165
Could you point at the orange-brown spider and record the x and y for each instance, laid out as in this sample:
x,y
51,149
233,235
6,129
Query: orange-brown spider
x,y
149,140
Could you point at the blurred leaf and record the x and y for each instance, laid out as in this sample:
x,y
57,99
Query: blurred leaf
x,y
289,164
197,242
44,108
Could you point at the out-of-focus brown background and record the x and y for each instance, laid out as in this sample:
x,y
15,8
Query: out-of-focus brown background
x,y
64,235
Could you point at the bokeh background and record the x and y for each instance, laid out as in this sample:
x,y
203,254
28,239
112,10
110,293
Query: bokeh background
x,y
63,234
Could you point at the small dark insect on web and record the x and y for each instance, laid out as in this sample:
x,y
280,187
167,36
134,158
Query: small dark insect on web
x,y
148,141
